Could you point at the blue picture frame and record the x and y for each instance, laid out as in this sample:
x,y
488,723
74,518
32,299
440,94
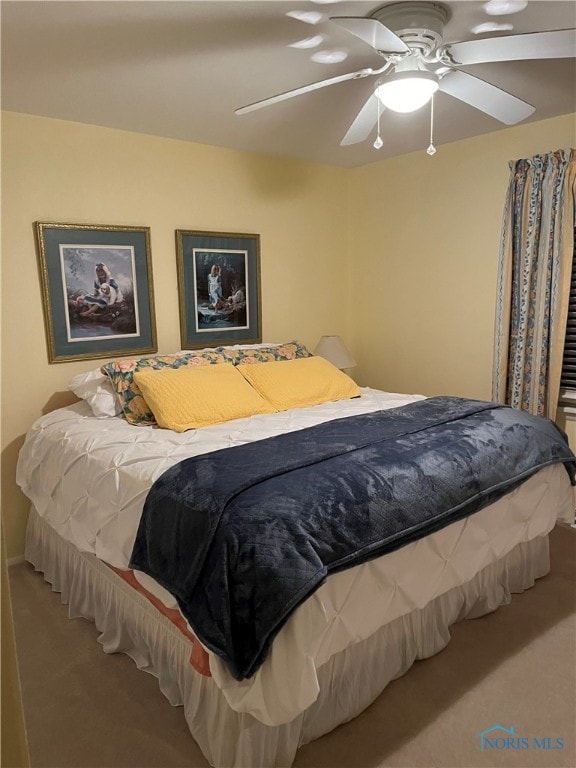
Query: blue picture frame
x,y
97,288
218,288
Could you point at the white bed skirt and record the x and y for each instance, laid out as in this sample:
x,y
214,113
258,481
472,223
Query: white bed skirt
x,y
349,682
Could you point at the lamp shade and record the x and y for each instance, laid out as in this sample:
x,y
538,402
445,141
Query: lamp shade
x,y
407,91
333,349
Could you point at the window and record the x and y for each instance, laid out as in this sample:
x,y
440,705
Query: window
x,y
568,378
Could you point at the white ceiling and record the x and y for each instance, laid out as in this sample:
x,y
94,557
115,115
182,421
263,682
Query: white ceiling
x,y
180,69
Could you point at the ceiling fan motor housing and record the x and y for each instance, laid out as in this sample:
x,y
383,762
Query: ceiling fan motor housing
x,y
419,25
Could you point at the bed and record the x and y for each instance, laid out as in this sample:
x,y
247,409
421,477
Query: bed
x,y
88,472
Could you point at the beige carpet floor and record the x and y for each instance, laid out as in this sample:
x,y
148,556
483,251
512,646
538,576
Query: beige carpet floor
x,y
516,667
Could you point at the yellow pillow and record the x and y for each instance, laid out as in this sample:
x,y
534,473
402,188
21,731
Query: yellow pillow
x,y
299,383
188,398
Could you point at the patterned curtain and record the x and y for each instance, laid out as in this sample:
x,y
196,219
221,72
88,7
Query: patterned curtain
x,y
534,282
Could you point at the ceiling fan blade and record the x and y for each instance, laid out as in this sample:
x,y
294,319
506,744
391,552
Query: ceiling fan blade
x,y
304,89
372,32
363,123
560,44
485,97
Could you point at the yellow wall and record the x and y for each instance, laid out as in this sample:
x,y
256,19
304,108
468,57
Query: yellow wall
x,y
399,257
424,243
66,172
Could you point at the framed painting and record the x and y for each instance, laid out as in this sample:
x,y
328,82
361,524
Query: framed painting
x,y
97,290
218,288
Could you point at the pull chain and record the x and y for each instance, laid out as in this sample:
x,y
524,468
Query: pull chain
x,y
431,148
378,143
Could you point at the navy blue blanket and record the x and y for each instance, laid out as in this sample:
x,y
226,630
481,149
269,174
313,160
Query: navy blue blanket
x,y
243,535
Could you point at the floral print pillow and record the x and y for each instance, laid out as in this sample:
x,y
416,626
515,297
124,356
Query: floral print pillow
x,y
261,354
121,374
135,408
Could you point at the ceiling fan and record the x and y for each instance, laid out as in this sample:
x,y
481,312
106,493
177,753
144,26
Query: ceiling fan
x,y
417,63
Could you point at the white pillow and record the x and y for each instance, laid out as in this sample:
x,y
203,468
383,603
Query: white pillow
x,y
237,346
255,346
97,390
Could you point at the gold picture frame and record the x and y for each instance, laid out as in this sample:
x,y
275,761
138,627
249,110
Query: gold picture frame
x,y
97,290
218,288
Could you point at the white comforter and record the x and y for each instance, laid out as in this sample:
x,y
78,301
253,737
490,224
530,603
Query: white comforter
x,y
88,478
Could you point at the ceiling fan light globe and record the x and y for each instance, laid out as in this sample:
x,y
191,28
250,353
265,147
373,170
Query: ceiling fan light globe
x,y
407,91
